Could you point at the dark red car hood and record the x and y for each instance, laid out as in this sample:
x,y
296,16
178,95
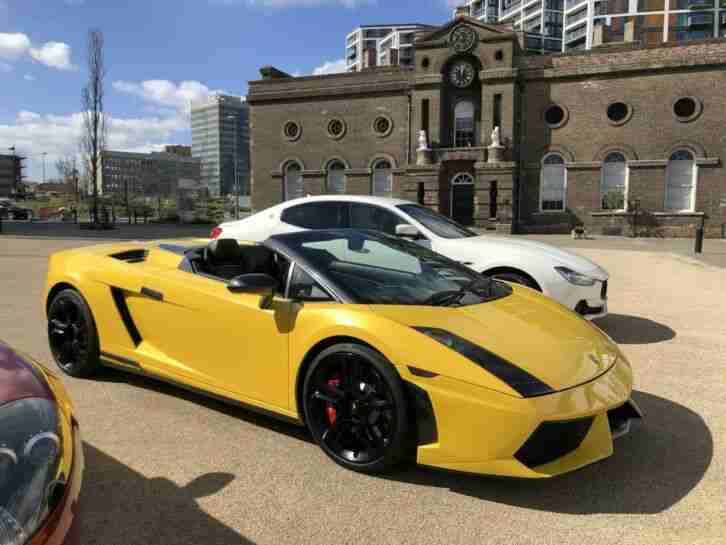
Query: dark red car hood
x,y
19,379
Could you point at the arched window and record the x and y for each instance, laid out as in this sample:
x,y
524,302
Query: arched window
x,y
382,184
336,177
613,183
680,181
553,183
464,136
293,186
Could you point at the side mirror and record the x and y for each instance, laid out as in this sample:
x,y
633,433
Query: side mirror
x,y
407,231
260,284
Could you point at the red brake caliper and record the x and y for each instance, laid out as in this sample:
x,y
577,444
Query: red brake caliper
x,y
329,409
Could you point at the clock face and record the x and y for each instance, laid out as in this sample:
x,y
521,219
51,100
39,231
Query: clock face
x,y
463,39
462,74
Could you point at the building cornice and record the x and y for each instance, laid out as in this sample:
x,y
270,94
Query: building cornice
x,y
495,74
370,88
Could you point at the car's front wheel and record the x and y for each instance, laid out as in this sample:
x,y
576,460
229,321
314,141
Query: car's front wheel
x,y
72,334
355,408
515,278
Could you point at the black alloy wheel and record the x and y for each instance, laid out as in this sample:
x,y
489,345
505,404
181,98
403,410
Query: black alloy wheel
x,y
72,334
355,408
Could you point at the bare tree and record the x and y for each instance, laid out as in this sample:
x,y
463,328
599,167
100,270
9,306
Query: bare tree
x,y
93,139
68,170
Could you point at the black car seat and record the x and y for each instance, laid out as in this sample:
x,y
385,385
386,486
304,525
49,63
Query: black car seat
x,y
222,258
258,259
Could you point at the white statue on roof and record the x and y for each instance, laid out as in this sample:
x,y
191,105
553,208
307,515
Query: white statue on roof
x,y
496,139
423,141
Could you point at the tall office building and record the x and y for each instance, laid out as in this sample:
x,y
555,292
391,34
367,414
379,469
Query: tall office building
x,y
566,25
363,45
220,126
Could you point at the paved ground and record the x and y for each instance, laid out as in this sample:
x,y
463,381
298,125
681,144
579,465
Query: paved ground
x,y
164,466
122,231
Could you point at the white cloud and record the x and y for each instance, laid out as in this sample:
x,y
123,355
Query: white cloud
x,y
74,2
16,45
13,45
5,67
29,77
300,3
165,93
330,67
54,54
58,135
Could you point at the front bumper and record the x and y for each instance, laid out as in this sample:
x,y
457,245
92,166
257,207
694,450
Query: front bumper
x,y
481,431
61,527
590,302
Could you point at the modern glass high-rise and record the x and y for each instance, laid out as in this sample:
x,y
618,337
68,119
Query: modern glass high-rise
x,y
220,136
566,25
368,38
540,20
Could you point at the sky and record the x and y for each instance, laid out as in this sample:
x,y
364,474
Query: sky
x,y
160,54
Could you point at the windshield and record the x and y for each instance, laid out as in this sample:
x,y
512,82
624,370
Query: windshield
x,y
438,224
374,268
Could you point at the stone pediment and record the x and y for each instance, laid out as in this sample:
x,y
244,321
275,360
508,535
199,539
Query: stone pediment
x,y
486,32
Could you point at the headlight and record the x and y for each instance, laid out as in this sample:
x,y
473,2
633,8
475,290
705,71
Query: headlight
x,y
30,454
574,277
518,379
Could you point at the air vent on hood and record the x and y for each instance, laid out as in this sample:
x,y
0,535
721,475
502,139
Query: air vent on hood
x,y
131,256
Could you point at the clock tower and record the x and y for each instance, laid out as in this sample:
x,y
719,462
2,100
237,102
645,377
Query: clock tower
x,y
463,88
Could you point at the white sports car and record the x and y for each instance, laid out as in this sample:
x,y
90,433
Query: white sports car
x,y
574,281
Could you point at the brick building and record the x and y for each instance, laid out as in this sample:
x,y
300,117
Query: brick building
x,y
582,139
11,174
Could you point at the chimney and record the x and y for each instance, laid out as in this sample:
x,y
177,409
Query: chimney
x,y
370,58
629,30
461,11
270,72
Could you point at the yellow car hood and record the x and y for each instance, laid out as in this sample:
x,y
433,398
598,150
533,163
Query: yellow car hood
x,y
527,329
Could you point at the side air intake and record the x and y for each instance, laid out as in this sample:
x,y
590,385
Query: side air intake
x,y
120,300
132,256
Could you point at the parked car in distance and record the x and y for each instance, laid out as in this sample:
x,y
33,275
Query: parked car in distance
x,y
574,281
11,211
41,455
381,347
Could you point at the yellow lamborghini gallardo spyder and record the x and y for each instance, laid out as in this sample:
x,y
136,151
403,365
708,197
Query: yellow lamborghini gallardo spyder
x,y
382,348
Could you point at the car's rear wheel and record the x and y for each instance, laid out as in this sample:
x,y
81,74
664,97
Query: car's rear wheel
x,y
355,408
72,334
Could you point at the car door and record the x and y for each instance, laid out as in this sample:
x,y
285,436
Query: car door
x,y
200,332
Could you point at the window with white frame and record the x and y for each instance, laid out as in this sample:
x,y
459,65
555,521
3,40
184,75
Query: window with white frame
x,y
464,124
680,181
553,183
382,183
293,184
614,182
336,177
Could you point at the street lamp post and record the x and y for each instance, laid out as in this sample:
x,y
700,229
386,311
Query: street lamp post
x,y
44,154
236,176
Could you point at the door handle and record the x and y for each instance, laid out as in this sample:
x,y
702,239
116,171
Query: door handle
x,y
156,295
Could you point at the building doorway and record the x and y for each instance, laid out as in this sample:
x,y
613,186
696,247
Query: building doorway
x,y
493,196
462,198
